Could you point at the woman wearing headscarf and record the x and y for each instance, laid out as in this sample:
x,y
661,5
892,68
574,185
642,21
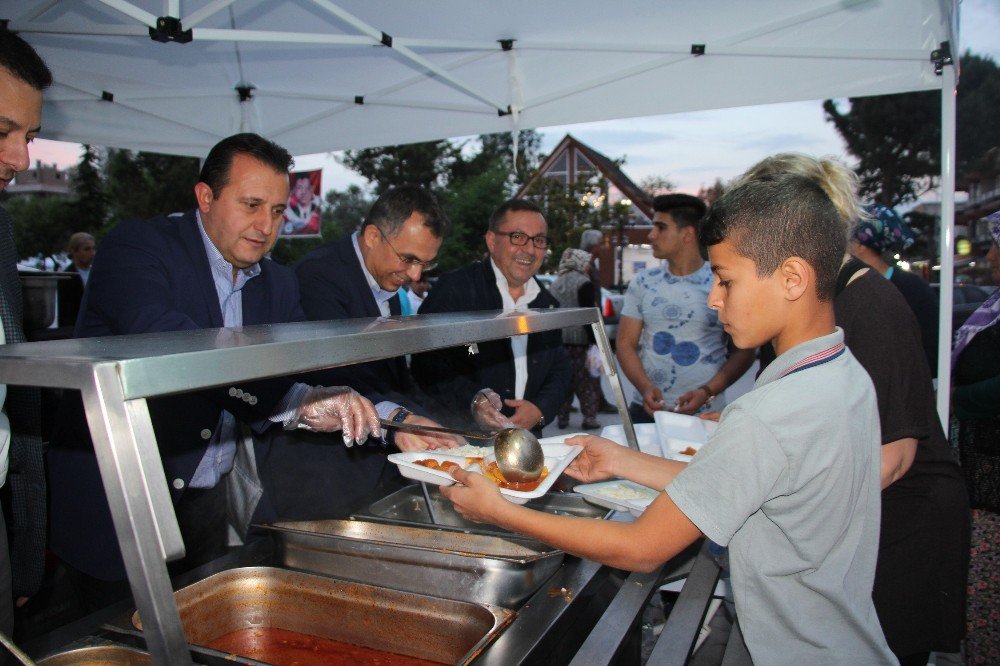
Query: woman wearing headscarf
x,y
574,289
883,233
976,405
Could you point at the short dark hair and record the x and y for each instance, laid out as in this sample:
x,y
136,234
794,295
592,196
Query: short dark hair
x,y
685,209
20,59
218,165
771,220
393,208
496,219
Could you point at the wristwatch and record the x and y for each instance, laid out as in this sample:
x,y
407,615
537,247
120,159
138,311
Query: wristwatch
x,y
398,416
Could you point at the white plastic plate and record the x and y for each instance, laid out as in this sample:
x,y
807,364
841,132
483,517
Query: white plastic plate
x,y
617,494
645,434
557,458
678,432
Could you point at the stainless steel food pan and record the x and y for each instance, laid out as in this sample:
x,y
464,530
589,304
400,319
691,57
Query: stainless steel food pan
x,y
406,506
100,655
501,571
442,630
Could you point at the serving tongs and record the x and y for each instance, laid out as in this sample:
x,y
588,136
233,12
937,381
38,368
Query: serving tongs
x,y
414,427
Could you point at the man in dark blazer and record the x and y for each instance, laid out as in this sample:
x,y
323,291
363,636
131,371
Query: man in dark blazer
x,y
202,269
354,277
23,76
360,274
531,374
82,249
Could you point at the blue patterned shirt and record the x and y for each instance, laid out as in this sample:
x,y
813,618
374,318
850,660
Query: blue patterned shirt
x,y
682,344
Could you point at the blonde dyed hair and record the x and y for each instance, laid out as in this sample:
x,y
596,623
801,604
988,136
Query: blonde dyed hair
x,y
839,182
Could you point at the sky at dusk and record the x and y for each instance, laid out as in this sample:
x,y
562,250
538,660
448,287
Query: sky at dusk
x,y
691,150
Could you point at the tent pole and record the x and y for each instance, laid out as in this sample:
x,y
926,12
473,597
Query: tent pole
x,y
947,251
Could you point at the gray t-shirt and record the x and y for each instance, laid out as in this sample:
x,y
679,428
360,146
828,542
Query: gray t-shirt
x,y
682,344
790,482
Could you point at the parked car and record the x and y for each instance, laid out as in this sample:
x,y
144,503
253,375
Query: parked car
x,y
611,306
966,299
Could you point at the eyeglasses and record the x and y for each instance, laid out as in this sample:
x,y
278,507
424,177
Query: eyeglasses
x,y
409,261
520,238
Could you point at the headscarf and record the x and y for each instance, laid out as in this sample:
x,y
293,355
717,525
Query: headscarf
x,y
884,230
574,260
988,313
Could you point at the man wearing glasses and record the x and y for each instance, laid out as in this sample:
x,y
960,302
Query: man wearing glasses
x,y
360,276
526,377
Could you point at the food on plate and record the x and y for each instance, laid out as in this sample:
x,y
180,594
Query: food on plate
x,y
489,470
443,465
492,472
689,451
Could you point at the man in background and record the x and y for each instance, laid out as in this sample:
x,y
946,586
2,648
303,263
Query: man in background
x,y
670,344
23,77
81,249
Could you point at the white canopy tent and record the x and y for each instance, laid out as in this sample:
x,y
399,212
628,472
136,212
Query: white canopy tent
x,y
175,76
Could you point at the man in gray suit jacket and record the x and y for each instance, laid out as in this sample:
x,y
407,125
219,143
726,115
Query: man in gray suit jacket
x,y
23,76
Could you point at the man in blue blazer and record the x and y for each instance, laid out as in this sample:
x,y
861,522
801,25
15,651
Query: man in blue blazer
x,y
202,269
526,376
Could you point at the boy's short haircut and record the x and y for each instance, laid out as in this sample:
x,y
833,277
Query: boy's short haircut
x,y
771,220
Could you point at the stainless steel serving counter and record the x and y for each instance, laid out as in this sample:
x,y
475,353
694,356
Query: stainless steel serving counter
x,y
115,375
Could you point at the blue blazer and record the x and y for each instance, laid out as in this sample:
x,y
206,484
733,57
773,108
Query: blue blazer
x,y
154,276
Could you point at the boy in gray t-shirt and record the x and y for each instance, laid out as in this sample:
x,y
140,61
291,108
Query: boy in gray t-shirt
x,y
790,481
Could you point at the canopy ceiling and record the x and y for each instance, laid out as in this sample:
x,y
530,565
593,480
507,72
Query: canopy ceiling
x,y
336,74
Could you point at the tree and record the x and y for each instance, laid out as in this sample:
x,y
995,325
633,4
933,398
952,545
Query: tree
x,y
142,185
498,150
42,225
711,193
88,187
653,185
897,138
469,204
424,164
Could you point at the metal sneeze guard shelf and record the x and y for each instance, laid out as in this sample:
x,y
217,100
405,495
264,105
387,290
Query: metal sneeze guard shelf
x,y
116,374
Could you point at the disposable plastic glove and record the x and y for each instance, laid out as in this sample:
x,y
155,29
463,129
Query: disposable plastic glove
x,y
331,408
486,406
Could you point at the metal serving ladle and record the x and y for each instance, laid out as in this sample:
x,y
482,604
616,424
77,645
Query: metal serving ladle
x,y
519,455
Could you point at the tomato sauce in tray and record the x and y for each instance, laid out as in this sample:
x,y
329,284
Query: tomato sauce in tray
x,y
290,648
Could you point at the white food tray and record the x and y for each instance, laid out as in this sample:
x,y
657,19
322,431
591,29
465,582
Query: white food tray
x,y
677,432
617,494
557,457
645,434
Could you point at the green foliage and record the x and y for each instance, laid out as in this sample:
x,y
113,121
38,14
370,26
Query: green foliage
x,y
88,187
498,150
426,164
469,203
141,185
42,225
897,138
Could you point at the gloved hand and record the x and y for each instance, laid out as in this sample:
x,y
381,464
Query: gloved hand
x,y
331,408
486,406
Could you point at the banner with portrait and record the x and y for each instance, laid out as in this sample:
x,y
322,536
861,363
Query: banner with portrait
x,y
305,205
